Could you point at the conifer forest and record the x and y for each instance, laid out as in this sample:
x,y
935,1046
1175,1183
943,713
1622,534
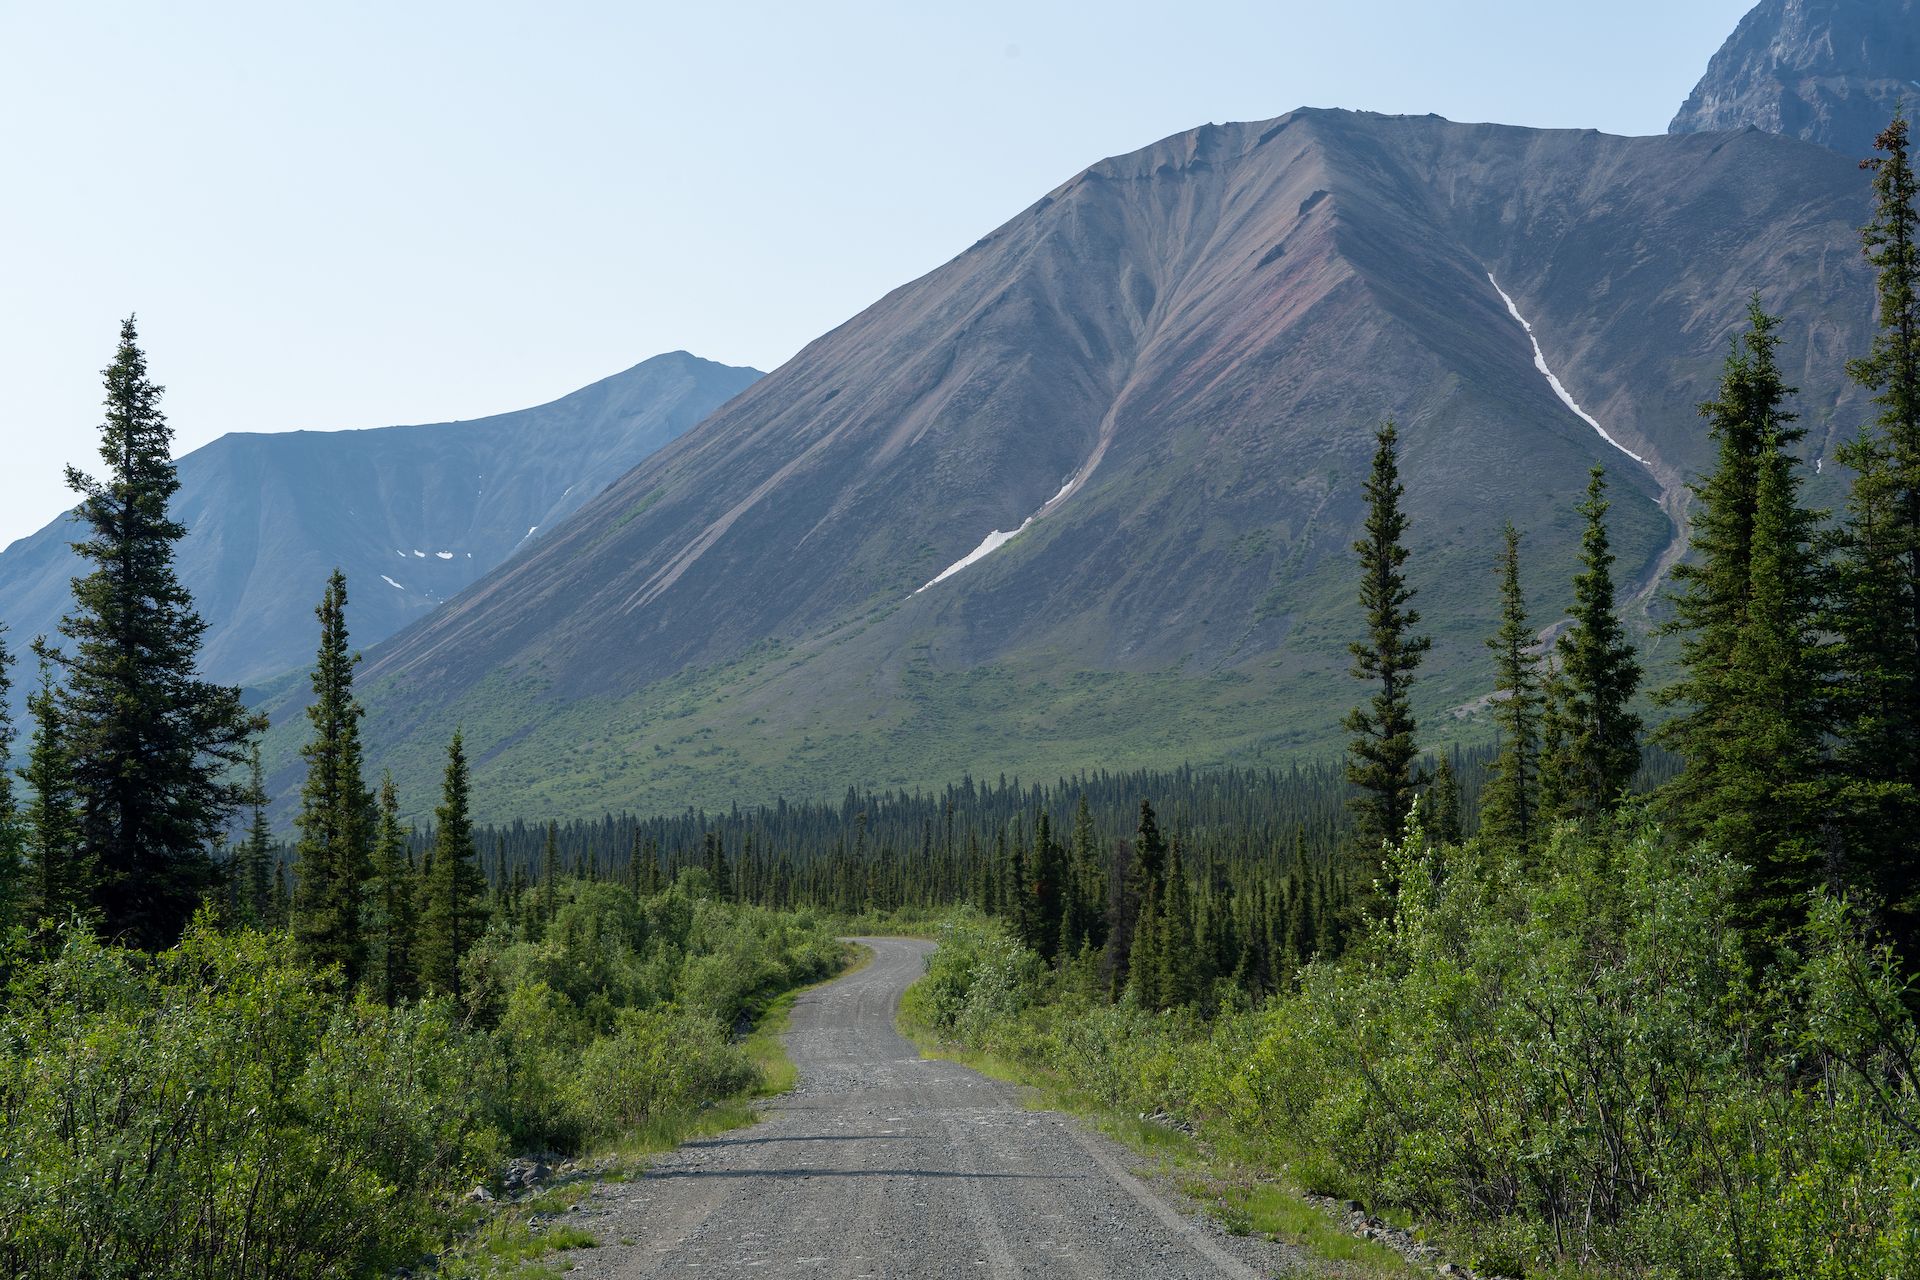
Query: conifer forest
x,y
1615,972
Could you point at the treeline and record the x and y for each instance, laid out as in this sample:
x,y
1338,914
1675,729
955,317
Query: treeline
x,y
1661,1036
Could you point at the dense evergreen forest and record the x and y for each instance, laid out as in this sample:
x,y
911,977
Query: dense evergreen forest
x,y
1611,995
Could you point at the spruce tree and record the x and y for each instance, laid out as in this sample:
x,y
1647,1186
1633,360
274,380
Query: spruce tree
x,y
1138,876
61,872
1877,606
395,915
155,751
1509,807
1047,873
1146,961
550,874
1594,737
1179,949
1770,792
1748,424
1381,755
333,857
1443,807
253,874
1078,914
719,871
13,904
455,909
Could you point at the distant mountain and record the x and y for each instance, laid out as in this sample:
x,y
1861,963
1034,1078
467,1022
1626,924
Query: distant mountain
x,y
1084,496
1828,71
412,514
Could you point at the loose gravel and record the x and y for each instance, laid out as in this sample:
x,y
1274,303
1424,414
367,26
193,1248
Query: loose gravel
x,y
883,1164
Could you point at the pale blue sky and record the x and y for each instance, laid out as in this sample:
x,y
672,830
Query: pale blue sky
x,y
356,214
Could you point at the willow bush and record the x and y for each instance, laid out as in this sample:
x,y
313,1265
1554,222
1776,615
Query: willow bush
x,y
1582,1069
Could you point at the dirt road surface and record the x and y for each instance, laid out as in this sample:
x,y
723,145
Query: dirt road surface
x,y
883,1164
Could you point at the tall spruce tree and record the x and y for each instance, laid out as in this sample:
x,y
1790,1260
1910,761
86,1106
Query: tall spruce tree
x,y
333,858
13,895
719,868
1381,755
1047,874
61,869
1078,914
454,912
550,875
1876,611
1138,875
253,889
1749,424
1180,956
1771,789
156,752
1442,812
1594,735
395,915
1509,806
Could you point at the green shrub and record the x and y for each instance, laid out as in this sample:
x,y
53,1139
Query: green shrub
x,y
658,1061
218,1109
1577,1069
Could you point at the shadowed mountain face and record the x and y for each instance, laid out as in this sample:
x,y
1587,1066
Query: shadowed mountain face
x,y
412,514
1828,71
1165,376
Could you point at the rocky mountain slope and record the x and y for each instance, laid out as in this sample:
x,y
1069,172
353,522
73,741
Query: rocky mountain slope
x,y
1164,377
1828,71
413,514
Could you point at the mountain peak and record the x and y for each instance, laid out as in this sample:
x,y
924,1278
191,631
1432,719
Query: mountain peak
x,y
1827,71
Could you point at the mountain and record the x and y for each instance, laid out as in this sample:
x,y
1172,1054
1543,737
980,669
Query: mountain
x,y
1828,71
412,514
1164,377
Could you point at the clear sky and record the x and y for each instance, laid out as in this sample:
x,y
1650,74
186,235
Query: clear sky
x,y
356,214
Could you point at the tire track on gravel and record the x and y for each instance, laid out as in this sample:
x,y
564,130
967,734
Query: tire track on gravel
x,y
882,1164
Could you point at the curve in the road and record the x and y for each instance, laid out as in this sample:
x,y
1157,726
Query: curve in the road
x,y
884,1164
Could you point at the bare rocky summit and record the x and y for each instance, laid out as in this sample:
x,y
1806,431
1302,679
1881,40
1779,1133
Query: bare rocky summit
x,y
1828,71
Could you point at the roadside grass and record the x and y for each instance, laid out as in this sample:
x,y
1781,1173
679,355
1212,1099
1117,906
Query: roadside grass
x,y
1249,1193
766,1044
516,1240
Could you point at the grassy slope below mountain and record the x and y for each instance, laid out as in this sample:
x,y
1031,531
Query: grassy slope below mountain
x,y
1197,340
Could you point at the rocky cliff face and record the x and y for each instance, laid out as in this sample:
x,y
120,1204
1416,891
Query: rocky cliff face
x,y
1828,71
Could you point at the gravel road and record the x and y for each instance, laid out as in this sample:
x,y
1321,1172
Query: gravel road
x,y
883,1164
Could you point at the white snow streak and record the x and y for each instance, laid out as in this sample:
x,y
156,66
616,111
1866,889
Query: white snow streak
x,y
444,555
419,555
996,540
1540,363
390,582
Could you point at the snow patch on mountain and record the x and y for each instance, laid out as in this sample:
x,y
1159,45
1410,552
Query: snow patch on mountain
x,y
1559,389
390,582
997,539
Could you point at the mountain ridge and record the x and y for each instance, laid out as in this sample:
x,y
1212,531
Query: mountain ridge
x,y
414,513
1194,341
